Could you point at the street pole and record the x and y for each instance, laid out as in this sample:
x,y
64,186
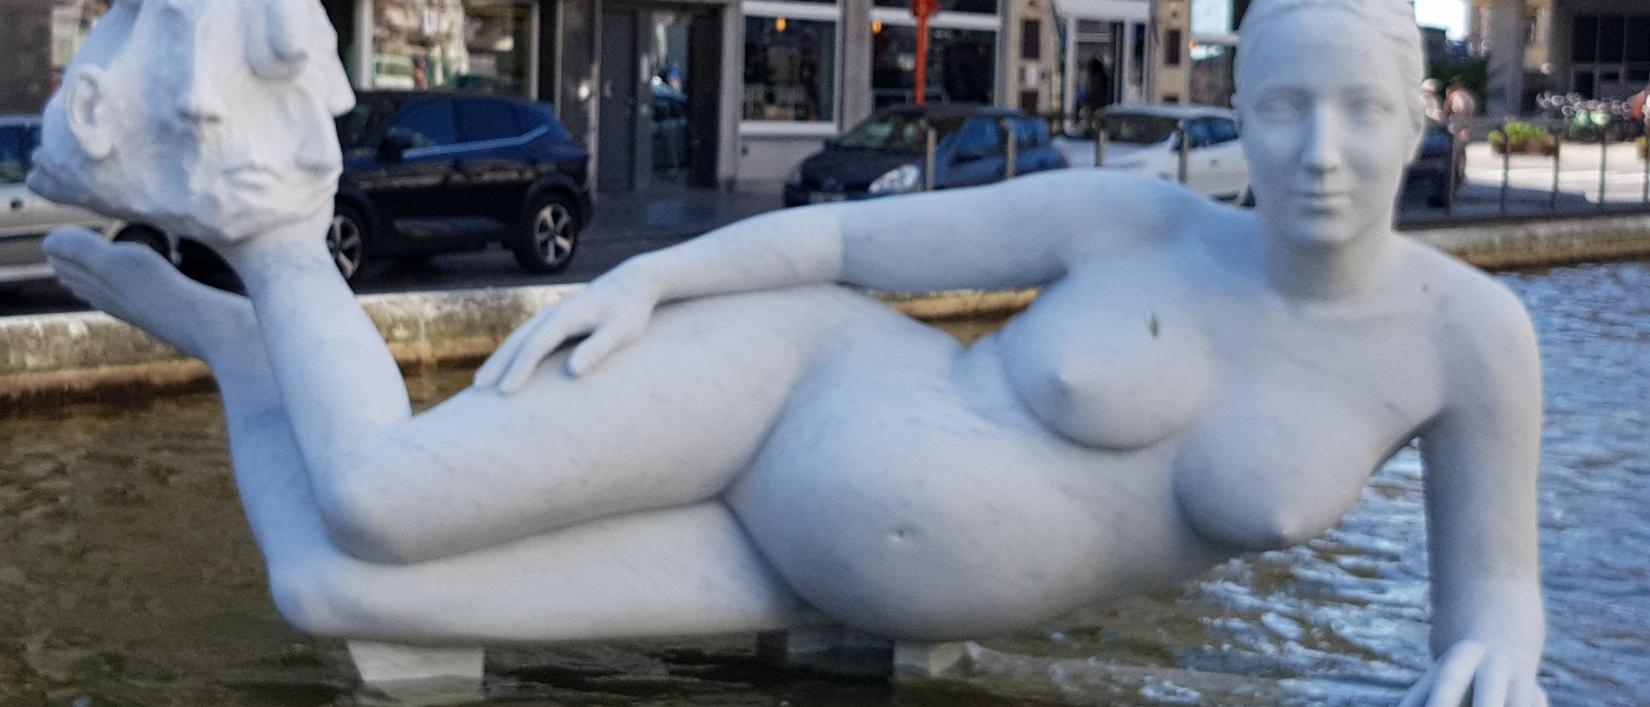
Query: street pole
x,y
1099,143
1011,148
1185,153
1603,164
1506,167
922,10
930,152
1558,158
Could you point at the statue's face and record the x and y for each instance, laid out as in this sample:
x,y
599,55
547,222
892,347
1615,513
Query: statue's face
x,y
1328,127
178,130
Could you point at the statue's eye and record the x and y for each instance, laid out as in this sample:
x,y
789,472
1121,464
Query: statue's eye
x,y
1278,109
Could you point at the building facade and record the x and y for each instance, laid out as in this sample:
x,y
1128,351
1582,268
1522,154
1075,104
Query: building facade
x,y
1595,48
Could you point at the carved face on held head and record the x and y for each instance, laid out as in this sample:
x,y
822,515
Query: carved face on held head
x,y
1330,114
207,118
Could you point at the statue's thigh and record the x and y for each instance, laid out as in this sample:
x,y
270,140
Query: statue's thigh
x,y
669,420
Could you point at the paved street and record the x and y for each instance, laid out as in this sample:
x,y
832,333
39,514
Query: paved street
x,y
630,224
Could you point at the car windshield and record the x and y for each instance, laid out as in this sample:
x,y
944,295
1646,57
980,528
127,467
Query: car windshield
x,y
1139,129
895,132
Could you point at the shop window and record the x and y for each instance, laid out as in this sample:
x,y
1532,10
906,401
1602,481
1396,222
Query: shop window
x,y
470,45
1612,38
988,7
790,69
1212,66
1638,39
962,65
426,124
1584,40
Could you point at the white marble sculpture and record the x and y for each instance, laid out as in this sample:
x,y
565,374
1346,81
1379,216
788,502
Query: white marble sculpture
x,y
741,444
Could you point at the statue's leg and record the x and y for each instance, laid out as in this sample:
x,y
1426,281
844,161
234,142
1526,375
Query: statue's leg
x,y
666,422
681,570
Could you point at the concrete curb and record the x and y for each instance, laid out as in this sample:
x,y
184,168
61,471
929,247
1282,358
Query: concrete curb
x,y
49,359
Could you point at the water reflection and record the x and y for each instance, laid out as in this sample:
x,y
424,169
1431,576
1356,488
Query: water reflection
x,y
127,574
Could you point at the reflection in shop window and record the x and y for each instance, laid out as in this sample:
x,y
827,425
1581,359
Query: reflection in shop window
x,y
468,45
790,69
71,21
961,65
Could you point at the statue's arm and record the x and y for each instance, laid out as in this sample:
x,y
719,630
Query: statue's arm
x,y
1023,233
1481,456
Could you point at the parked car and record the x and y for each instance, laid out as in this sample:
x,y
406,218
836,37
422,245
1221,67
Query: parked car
x,y
1145,138
26,217
1429,175
885,153
428,173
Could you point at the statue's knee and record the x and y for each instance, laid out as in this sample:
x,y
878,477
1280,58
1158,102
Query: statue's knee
x,y
369,521
314,597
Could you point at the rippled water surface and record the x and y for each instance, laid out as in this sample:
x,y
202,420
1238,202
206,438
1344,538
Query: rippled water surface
x,y
127,576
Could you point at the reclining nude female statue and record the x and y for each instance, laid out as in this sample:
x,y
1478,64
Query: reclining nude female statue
x,y
737,443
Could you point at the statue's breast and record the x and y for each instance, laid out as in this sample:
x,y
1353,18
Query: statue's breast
x,y
1291,436
1109,367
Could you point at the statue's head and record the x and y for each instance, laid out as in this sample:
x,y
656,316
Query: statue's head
x,y
201,117
1329,95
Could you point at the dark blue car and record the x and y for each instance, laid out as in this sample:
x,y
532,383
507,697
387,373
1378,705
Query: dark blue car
x,y
885,154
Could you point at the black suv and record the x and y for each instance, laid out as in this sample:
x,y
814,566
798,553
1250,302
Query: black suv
x,y
427,173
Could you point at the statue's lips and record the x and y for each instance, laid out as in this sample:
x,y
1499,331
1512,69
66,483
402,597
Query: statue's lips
x,y
1322,201
252,177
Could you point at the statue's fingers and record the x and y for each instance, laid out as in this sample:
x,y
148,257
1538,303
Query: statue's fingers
x,y
1490,688
1455,672
495,365
532,353
72,243
1417,694
592,351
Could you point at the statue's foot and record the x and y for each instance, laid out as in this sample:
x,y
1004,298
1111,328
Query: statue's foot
x,y
134,284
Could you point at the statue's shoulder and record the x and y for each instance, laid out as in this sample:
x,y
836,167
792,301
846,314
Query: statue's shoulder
x,y
1480,317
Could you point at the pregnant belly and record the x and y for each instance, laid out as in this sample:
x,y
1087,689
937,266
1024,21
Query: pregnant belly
x,y
917,518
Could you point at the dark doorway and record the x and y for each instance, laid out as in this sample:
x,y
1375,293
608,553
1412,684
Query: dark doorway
x,y
660,97
616,139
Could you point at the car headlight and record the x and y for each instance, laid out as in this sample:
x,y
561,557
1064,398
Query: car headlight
x,y
795,179
903,179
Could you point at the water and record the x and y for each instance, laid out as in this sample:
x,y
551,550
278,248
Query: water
x,y
127,575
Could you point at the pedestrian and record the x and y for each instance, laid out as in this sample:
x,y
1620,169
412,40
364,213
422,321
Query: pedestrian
x,y
1460,109
1433,104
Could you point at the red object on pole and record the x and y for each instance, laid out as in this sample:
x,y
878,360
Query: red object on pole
x,y
922,10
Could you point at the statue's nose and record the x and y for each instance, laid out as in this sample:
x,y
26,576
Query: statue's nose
x,y
200,107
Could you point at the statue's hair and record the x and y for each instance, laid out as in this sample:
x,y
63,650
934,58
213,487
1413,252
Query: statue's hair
x,y
1393,20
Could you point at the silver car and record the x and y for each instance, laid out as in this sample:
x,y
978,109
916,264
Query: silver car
x,y
26,217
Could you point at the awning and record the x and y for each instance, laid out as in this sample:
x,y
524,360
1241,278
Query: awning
x,y
1116,10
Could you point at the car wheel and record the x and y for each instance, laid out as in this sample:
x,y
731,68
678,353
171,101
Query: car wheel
x,y
545,240
148,237
347,241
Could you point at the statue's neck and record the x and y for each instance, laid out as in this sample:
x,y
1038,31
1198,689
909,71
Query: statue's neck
x,y
1329,271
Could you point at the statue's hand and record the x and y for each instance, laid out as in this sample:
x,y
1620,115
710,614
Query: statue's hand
x,y
1494,676
614,310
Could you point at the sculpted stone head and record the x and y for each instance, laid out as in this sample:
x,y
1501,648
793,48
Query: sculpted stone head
x,y
203,117
1328,94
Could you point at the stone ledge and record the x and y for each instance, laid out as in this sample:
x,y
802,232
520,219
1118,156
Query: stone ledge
x,y
49,359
